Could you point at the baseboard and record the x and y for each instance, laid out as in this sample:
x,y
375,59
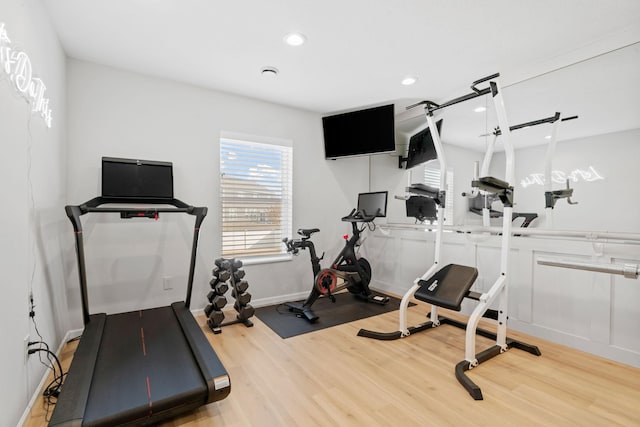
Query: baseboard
x,y
605,350
388,289
298,296
263,302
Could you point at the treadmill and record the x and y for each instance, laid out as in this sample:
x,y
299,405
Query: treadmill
x,y
144,366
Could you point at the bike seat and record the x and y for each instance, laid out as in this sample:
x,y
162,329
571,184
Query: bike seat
x,y
307,232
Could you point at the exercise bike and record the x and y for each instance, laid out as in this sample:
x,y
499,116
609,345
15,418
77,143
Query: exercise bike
x,y
347,270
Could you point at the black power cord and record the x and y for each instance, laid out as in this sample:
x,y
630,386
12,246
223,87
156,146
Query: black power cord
x,y
52,390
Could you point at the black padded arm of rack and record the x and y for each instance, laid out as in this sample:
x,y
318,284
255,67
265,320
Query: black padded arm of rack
x,y
551,197
424,190
491,184
496,186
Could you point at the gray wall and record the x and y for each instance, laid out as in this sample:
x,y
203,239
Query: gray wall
x,y
32,190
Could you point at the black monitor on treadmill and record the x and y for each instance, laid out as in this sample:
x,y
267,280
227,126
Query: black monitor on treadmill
x,y
136,179
374,203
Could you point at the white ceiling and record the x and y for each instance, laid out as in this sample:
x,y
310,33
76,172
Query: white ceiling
x,y
358,51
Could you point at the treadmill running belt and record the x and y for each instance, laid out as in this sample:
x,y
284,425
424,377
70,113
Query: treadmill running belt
x,y
133,376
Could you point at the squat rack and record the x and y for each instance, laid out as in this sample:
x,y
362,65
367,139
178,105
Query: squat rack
x,y
447,286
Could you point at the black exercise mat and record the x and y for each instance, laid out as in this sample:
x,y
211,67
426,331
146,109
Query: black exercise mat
x,y
347,308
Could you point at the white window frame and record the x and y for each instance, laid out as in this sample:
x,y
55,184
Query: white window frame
x,y
248,253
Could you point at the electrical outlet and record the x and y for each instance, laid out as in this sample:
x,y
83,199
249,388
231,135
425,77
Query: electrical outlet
x,y
25,348
32,312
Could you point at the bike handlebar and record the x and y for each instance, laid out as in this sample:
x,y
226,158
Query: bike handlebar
x,y
360,216
355,216
293,246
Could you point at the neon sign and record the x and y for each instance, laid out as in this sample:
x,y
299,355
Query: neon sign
x,y
17,66
560,177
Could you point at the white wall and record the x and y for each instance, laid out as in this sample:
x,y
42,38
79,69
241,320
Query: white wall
x,y
607,200
32,172
122,114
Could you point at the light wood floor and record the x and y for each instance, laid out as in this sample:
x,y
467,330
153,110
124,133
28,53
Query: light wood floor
x,y
335,378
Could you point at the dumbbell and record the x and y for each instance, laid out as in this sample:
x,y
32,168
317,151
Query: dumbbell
x,y
241,286
243,298
215,319
238,306
210,309
220,288
216,296
219,275
238,275
245,312
222,264
236,264
218,301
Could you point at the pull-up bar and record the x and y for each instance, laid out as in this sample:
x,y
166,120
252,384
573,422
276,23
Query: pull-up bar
x,y
431,106
551,119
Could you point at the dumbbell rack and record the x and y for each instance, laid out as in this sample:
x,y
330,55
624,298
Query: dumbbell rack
x,y
228,273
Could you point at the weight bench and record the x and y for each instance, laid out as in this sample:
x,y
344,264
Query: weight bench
x,y
448,287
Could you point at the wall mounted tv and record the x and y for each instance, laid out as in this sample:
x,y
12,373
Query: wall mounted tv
x,y
136,179
421,148
360,132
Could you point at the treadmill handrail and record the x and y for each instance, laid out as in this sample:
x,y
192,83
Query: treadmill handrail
x,y
94,204
74,212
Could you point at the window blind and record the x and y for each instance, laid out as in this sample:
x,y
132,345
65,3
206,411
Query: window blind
x,y
255,195
432,178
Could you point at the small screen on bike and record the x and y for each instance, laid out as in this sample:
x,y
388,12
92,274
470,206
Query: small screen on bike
x,y
373,203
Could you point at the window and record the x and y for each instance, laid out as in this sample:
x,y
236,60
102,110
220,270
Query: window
x,y
255,195
432,178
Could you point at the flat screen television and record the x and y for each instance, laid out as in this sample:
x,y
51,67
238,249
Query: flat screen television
x,y
373,203
360,132
421,148
136,179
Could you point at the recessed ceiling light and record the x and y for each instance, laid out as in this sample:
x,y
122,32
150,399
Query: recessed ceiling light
x,y
547,137
295,39
269,71
480,109
409,80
